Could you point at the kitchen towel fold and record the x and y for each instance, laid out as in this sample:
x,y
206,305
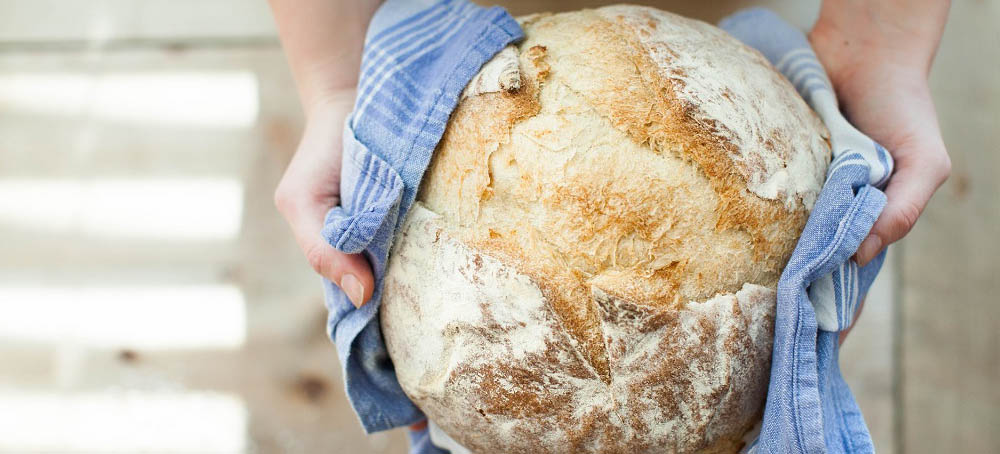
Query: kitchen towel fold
x,y
809,407
418,57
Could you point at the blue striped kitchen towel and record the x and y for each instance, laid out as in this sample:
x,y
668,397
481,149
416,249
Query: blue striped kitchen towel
x,y
420,54
809,407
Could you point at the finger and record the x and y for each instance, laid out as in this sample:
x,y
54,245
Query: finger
x,y
351,272
908,192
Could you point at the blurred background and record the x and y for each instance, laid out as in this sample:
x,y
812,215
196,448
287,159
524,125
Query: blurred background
x,y
152,299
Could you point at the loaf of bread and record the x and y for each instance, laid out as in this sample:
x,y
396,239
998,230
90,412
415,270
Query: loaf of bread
x,y
592,262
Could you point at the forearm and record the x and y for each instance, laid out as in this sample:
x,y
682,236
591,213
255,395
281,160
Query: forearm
x,y
323,40
902,33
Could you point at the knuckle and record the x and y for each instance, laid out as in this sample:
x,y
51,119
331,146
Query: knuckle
x,y
282,199
906,217
944,167
318,258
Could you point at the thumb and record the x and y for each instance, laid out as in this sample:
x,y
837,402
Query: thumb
x,y
351,272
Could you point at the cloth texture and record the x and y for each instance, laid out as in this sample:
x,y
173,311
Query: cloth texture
x,y
418,57
809,407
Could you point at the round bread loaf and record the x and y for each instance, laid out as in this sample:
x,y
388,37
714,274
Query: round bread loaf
x,y
592,263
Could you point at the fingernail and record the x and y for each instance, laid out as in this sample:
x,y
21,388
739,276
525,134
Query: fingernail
x,y
353,288
868,250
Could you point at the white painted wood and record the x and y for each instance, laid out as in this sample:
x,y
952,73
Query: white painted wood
x,y
33,21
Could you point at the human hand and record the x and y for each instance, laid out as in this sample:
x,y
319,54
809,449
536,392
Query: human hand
x,y
877,56
311,186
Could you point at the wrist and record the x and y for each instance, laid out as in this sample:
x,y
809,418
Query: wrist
x,y
854,65
843,53
901,35
323,105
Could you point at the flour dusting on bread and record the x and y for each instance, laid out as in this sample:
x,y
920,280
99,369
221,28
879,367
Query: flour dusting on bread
x,y
592,262
750,102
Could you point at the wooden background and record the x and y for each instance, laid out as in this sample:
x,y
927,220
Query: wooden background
x,y
924,359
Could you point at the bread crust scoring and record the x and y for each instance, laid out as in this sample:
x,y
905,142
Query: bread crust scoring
x,y
486,357
595,256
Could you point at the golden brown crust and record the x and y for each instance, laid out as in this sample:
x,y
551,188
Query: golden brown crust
x,y
485,356
665,219
613,174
